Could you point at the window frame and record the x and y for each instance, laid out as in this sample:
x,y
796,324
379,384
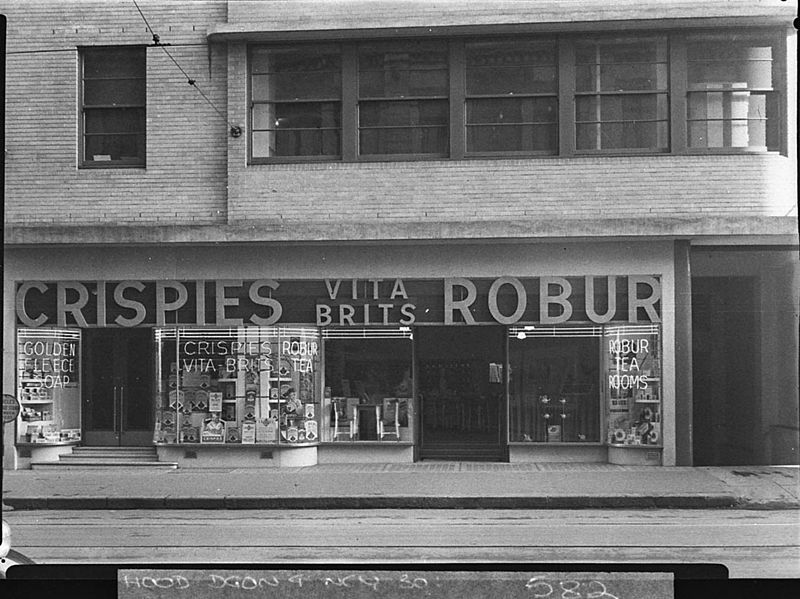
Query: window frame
x,y
598,94
566,96
251,103
83,162
467,96
777,41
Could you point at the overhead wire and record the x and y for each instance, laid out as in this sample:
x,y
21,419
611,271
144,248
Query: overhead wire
x,y
234,129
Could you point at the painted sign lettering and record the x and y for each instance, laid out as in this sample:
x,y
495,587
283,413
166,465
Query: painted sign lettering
x,y
504,300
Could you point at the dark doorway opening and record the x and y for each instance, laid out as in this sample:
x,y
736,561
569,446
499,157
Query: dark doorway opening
x,y
725,371
462,390
118,392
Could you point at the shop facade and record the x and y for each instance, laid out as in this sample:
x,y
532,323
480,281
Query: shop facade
x,y
503,352
523,234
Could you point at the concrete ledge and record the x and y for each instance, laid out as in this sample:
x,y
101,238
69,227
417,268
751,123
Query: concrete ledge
x,y
782,229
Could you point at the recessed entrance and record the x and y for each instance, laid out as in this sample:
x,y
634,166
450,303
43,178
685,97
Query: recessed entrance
x,y
462,392
118,387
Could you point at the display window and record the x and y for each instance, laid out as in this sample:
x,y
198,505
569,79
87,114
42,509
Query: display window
x,y
585,384
554,384
238,385
368,385
632,365
48,385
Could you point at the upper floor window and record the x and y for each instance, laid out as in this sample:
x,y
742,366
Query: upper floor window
x,y
528,95
403,98
621,94
512,96
296,107
732,101
113,102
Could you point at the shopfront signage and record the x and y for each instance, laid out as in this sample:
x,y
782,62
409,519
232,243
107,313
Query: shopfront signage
x,y
10,408
503,300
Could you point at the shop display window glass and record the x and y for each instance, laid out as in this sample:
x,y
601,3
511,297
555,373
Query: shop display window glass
x,y
49,385
238,385
368,385
632,369
554,384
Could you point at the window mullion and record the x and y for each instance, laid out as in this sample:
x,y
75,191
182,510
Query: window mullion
x,y
349,103
458,67
566,96
677,94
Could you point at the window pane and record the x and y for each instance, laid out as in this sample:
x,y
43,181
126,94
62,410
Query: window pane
x,y
725,64
263,116
114,120
113,76
512,138
621,51
621,108
297,129
620,65
625,135
110,92
626,77
296,142
296,74
512,110
373,378
511,67
303,85
414,112
409,140
122,147
729,119
306,115
319,142
553,389
407,69
114,63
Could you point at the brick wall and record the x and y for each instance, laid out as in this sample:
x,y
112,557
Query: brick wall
x,y
609,187
185,178
197,174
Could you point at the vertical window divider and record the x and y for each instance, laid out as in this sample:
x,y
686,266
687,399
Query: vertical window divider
x,y
677,94
780,62
350,134
566,96
457,78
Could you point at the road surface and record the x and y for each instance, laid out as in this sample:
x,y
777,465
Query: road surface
x,y
751,543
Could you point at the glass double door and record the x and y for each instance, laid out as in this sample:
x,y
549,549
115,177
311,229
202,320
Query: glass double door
x,y
462,391
118,387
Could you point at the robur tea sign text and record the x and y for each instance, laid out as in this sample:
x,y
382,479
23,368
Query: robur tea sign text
x,y
236,303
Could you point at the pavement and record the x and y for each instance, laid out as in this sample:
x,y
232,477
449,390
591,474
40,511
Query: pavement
x,y
456,485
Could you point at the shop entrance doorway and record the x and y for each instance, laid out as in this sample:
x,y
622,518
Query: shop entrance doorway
x,y
118,387
462,392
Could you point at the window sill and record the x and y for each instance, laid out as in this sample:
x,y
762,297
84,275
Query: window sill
x,y
109,165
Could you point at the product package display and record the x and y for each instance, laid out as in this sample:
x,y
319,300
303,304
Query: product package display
x,y
633,367
247,384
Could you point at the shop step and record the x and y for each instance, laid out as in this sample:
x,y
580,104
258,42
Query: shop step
x,y
462,453
107,457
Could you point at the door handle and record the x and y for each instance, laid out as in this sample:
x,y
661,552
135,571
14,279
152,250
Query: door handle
x,y
121,408
114,424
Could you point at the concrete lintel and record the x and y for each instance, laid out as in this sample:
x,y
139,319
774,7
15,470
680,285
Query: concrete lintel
x,y
730,229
